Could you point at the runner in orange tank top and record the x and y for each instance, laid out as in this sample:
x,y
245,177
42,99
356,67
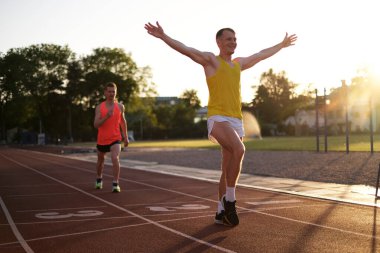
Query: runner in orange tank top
x,y
112,129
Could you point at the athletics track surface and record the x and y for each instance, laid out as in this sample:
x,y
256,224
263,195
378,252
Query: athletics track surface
x,y
49,204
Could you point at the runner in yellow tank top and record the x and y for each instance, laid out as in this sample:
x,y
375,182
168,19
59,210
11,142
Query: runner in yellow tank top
x,y
224,106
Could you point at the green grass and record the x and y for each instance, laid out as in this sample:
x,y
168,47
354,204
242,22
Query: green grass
x,y
335,143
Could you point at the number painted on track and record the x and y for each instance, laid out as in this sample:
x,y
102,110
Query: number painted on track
x,y
56,215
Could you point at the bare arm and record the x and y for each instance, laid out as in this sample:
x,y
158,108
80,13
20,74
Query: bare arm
x,y
203,58
247,62
123,125
98,121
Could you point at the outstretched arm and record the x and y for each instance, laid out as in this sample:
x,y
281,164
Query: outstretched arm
x,y
203,58
247,62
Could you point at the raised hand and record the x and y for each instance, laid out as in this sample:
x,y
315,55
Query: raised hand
x,y
155,31
289,40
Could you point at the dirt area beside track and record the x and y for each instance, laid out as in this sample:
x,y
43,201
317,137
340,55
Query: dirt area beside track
x,y
332,167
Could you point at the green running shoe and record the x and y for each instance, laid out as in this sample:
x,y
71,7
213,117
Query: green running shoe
x,y
98,184
115,187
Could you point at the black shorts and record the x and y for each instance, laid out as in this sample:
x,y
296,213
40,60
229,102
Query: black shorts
x,y
106,148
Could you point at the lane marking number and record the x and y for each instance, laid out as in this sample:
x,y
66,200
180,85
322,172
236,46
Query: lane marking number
x,y
56,215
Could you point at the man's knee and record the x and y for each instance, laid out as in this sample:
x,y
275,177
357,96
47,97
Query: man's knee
x,y
115,151
115,158
239,151
100,157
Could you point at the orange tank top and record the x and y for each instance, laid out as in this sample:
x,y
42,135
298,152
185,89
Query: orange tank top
x,y
109,131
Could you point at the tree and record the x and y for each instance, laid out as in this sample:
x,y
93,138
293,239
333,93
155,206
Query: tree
x,y
275,100
45,85
4,98
135,90
10,89
191,99
75,81
33,73
109,65
176,120
140,114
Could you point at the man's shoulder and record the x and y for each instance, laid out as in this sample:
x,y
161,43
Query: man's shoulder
x,y
212,56
212,65
101,106
120,105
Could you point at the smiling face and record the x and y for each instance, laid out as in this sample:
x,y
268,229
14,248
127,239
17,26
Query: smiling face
x,y
226,41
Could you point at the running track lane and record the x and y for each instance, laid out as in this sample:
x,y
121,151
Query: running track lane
x,y
48,203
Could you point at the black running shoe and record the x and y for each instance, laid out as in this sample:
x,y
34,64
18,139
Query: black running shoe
x,y
230,216
219,218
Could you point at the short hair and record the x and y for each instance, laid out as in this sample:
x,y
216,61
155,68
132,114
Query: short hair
x,y
111,85
220,32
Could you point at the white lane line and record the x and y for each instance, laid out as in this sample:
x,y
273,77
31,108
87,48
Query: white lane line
x,y
109,229
212,213
60,209
240,207
72,220
79,233
271,202
312,224
288,207
39,195
94,207
166,203
114,228
17,233
121,179
26,186
125,210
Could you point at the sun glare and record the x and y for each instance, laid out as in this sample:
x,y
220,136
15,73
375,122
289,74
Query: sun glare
x,y
374,74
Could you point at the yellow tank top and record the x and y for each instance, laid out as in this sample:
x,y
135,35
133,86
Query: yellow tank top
x,y
224,91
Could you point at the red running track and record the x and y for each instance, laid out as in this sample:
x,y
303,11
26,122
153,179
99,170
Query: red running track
x,y
49,204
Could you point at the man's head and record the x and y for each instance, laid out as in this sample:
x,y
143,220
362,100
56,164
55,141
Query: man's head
x,y
226,40
110,91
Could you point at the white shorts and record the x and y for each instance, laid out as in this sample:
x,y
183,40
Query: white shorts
x,y
235,123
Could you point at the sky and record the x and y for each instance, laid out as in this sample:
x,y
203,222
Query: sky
x,y
335,37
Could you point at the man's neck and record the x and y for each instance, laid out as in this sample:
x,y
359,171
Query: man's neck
x,y
226,57
110,101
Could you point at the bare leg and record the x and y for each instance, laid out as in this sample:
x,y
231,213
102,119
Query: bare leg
x,y
115,153
232,154
100,164
225,164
